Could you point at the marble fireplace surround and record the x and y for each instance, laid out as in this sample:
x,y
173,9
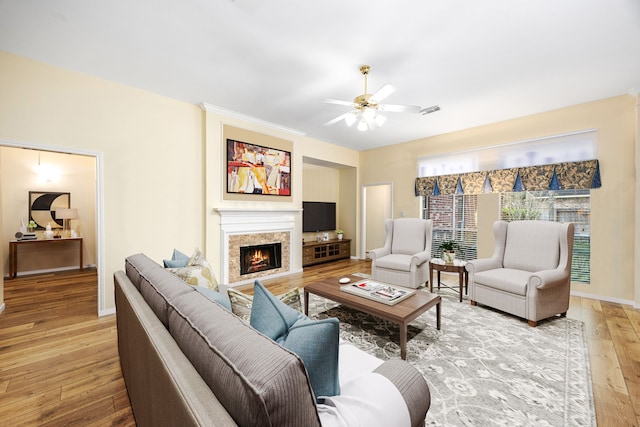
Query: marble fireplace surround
x,y
244,227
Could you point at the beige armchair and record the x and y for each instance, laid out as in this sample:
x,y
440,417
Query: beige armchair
x,y
529,274
404,259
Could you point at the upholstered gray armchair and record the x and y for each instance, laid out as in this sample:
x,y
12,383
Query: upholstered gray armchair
x,y
404,259
529,274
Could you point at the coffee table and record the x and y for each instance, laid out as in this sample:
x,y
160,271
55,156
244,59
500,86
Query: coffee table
x,y
401,313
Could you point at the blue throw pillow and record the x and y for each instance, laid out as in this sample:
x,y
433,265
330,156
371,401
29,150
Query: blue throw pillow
x,y
214,296
316,342
178,260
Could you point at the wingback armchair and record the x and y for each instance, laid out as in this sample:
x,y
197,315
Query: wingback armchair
x,y
529,274
404,258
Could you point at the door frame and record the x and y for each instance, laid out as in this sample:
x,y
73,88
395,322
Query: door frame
x,y
363,219
99,189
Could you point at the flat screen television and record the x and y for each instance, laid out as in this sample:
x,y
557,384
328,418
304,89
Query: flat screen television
x,y
318,216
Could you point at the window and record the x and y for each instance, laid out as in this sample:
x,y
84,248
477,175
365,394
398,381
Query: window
x,y
570,147
559,206
454,218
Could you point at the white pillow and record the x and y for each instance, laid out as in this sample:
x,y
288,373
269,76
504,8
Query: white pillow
x,y
198,272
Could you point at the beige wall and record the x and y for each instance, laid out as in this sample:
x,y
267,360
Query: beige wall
x,y
303,147
332,183
348,202
163,165
151,148
320,184
612,206
1,252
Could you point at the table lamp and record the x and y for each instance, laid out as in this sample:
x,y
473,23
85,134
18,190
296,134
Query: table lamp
x,y
67,215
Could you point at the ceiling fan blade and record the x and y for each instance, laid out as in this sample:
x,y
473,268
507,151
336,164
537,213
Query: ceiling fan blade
x,y
382,93
337,101
337,119
400,108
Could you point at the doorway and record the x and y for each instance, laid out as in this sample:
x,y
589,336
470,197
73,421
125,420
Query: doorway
x,y
377,205
27,167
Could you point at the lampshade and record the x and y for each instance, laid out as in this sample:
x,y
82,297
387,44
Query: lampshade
x,y
351,119
367,119
63,213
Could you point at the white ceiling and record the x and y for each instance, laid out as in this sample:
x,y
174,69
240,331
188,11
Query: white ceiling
x,y
480,61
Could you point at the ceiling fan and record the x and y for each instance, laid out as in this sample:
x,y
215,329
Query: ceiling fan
x,y
366,107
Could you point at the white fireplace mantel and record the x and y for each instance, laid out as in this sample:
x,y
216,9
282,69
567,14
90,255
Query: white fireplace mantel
x,y
250,221
254,220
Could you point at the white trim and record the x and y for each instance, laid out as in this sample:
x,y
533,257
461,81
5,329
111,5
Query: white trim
x,y
2,307
52,270
236,115
100,241
99,201
363,218
605,298
107,312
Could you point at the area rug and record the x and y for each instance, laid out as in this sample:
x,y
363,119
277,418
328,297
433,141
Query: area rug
x,y
484,367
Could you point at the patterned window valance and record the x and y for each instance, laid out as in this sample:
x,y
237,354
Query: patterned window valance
x,y
558,176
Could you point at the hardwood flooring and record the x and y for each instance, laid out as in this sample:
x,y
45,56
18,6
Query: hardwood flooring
x,y
59,361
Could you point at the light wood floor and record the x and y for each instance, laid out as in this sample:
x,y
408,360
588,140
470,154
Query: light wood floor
x,y
59,361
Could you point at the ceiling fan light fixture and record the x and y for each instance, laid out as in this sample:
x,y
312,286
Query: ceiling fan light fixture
x,y
350,119
380,120
365,107
369,114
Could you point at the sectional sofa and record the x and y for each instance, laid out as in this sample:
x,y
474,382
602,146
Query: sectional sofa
x,y
187,360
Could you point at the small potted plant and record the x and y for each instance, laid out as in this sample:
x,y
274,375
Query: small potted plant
x,y
449,250
340,233
32,226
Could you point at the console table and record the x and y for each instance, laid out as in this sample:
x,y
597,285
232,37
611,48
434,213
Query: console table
x,y
54,243
317,252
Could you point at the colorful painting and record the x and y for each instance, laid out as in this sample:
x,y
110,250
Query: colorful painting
x,y
254,169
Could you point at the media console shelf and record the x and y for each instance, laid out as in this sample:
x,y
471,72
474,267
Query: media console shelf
x,y
317,252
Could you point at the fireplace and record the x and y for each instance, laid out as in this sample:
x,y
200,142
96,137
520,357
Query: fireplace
x,y
254,227
257,258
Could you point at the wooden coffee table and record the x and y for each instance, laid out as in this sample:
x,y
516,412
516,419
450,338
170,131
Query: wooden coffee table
x,y
401,313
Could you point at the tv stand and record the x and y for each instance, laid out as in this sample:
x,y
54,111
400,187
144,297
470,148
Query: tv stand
x,y
318,252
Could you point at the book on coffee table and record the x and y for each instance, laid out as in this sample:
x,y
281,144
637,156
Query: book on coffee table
x,y
378,291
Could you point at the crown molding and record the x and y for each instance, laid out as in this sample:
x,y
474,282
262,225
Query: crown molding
x,y
219,110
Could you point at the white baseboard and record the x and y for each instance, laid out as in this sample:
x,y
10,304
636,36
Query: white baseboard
x,y
52,270
607,299
107,312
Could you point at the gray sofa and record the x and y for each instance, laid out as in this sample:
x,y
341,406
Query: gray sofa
x,y
186,360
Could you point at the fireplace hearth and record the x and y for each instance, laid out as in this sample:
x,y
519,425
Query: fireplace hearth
x,y
257,258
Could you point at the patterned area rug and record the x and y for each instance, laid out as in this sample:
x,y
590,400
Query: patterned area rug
x,y
484,368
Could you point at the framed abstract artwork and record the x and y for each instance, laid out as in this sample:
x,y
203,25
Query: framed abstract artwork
x,y
254,169
42,207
